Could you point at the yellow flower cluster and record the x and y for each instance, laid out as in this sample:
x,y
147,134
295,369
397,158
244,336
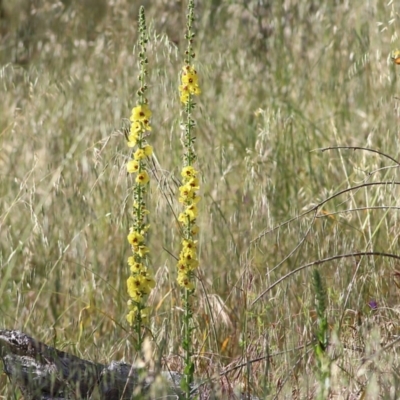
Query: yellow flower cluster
x,y
140,285
188,256
189,83
140,282
140,121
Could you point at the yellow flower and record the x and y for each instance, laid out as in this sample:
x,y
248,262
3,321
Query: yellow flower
x,y
188,172
136,127
187,193
141,113
142,153
185,265
146,227
184,281
195,90
132,166
132,315
182,267
184,97
189,244
132,140
183,218
146,288
189,79
146,125
135,286
194,183
135,238
136,267
139,154
196,199
188,255
150,282
188,69
148,150
142,178
193,264
131,260
141,250
192,212
189,82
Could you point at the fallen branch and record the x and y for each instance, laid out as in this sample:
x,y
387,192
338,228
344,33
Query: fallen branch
x,y
42,372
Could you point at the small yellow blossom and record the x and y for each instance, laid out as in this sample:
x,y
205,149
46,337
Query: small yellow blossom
x,y
195,90
189,79
141,250
136,267
142,153
189,84
194,183
188,256
188,69
184,281
183,218
139,154
135,295
135,238
148,150
193,264
189,244
135,285
136,128
132,166
150,282
187,193
188,172
132,140
184,94
146,227
141,113
132,315
182,267
196,199
146,126
192,212
131,260
142,178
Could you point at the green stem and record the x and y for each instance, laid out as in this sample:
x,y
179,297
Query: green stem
x,y
138,328
187,345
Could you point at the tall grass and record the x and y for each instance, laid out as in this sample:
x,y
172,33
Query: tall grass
x,y
279,83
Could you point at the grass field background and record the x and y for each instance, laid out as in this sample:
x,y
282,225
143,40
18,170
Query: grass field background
x,y
280,80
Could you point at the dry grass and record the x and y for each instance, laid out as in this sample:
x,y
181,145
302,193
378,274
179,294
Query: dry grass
x,y
278,82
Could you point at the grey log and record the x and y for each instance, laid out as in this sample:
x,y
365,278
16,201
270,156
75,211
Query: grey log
x,y
42,372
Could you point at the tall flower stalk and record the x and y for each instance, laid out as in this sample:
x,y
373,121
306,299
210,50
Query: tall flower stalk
x,y
188,197
140,281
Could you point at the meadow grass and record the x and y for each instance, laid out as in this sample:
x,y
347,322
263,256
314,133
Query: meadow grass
x,y
279,82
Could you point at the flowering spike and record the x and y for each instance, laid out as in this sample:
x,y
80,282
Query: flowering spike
x,y
140,282
189,198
